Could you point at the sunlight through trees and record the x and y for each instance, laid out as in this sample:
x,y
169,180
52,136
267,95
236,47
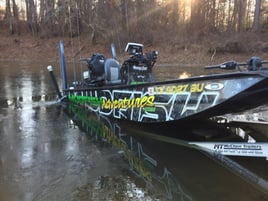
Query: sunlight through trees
x,y
105,20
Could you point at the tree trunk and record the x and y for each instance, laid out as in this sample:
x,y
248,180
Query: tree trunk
x,y
125,15
8,17
15,17
256,21
175,13
241,15
31,14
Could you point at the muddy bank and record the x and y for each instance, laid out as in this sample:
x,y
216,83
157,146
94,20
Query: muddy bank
x,y
203,51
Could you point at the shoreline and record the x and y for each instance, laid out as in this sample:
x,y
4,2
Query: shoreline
x,y
31,49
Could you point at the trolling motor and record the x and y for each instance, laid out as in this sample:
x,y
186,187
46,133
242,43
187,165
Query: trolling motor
x,y
254,64
138,68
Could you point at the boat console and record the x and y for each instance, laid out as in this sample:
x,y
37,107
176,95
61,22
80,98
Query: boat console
x,y
138,68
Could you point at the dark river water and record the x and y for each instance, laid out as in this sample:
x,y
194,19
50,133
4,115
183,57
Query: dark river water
x,y
59,152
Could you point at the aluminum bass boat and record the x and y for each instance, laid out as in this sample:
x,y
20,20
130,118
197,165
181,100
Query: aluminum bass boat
x,y
128,91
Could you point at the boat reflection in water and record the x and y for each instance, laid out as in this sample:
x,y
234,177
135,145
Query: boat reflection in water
x,y
180,170
140,163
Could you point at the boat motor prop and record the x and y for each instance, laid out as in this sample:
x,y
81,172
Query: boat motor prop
x,y
254,64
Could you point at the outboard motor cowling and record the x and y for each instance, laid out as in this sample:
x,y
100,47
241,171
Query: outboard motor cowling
x,y
96,65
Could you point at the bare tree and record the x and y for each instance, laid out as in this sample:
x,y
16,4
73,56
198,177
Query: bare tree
x,y
8,16
125,15
47,16
175,12
31,15
256,22
12,17
135,19
62,17
242,5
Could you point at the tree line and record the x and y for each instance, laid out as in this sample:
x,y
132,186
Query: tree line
x,y
145,20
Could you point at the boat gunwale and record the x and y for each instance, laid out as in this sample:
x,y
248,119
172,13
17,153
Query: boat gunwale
x,y
260,73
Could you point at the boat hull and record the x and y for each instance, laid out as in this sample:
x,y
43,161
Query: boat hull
x,y
175,100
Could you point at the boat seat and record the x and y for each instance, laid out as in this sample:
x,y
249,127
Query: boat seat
x,y
112,71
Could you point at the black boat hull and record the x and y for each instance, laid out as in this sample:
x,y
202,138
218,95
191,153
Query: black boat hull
x,y
175,100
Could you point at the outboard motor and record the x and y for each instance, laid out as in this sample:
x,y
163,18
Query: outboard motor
x,y
138,68
95,65
101,70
